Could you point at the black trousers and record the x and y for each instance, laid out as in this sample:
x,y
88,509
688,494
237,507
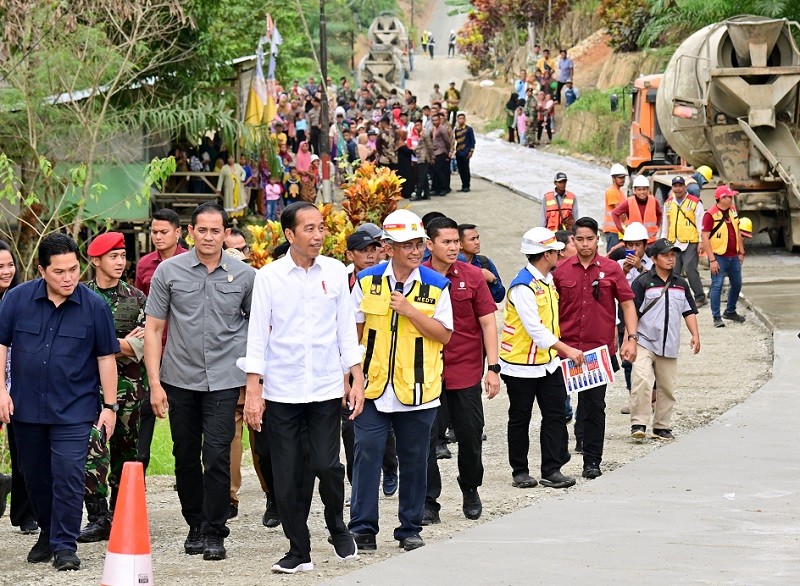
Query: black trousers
x,y
292,453
590,423
442,422
441,173
463,170
202,426
423,185
550,393
21,510
466,415
348,439
147,426
314,139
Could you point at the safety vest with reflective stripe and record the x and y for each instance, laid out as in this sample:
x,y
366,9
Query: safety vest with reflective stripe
x,y
719,231
613,198
400,355
681,219
516,346
558,217
650,220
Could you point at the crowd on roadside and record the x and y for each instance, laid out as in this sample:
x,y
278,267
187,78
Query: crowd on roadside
x,y
531,109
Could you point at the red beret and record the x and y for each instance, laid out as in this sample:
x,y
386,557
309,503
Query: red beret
x,y
103,243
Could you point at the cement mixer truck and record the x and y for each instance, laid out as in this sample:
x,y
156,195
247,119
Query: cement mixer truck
x,y
387,61
728,99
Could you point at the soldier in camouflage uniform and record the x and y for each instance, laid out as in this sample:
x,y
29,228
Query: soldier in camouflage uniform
x,y
531,118
107,455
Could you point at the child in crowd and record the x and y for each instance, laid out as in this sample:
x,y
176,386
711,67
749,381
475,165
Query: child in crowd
x,y
301,128
291,189
521,125
272,194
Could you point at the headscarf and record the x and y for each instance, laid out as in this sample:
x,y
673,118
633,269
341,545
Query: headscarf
x,y
303,159
512,103
396,116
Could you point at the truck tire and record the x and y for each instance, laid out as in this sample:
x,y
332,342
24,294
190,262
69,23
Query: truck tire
x,y
791,234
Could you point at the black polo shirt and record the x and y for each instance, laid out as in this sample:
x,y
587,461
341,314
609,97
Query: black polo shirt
x,y
54,374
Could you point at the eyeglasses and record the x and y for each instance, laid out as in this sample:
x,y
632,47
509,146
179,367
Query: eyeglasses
x,y
410,246
244,249
596,289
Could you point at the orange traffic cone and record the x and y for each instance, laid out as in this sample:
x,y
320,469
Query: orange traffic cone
x,y
128,559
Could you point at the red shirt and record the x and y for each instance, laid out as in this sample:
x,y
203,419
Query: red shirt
x,y
623,209
708,226
147,266
587,322
471,299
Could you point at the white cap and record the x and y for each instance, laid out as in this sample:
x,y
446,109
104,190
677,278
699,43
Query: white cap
x,y
641,181
538,240
617,169
402,226
635,231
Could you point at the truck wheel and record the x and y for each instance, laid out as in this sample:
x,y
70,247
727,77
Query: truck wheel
x,y
791,234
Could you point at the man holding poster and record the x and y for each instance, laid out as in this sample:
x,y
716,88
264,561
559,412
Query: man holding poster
x,y
530,363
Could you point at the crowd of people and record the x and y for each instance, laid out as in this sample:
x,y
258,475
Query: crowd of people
x,y
389,356
530,111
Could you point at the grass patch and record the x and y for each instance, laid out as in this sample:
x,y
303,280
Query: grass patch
x,y
598,102
498,123
604,142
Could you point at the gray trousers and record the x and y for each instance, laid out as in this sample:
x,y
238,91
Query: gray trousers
x,y
686,262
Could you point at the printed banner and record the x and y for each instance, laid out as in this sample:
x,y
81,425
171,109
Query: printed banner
x,y
595,371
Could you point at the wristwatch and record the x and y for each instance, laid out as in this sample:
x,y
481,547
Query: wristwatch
x,y
633,337
494,368
113,406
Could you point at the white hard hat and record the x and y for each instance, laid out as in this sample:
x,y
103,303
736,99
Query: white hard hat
x,y
617,169
641,181
538,240
402,226
635,231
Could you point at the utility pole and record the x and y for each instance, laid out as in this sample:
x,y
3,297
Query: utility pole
x,y
324,118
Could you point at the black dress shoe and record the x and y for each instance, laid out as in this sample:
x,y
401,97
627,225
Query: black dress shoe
x,y
557,480
524,480
271,518
411,542
233,512
28,527
430,517
365,541
5,489
443,452
66,560
578,446
41,552
592,471
472,506
214,548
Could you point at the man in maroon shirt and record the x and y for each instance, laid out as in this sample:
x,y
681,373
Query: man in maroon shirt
x,y
165,229
474,335
588,286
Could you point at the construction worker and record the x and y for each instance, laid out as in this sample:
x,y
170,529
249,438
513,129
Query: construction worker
x,y
613,197
530,363
683,216
642,208
698,179
108,454
404,318
560,207
722,242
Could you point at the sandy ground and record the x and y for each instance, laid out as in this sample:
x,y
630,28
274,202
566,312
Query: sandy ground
x,y
723,374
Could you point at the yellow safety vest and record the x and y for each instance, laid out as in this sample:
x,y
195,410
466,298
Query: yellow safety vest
x,y
719,231
404,357
681,219
516,346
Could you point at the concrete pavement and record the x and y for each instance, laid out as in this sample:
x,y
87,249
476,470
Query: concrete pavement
x,y
721,505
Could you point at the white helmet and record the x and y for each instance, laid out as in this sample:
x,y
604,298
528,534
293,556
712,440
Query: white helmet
x,y
617,169
641,181
635,231
538,240
402,226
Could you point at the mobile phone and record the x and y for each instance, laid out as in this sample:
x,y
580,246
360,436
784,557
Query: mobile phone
x,y
629,253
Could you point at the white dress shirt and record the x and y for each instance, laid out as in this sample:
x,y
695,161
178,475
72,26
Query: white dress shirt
x,y
302,335
524,300
388,401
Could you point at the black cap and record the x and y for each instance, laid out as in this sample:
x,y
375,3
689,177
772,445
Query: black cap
x,y
561,177
678,179
359,240
661,246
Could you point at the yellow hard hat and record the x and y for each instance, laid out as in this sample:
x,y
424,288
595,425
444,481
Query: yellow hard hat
x,y
706,172
746,227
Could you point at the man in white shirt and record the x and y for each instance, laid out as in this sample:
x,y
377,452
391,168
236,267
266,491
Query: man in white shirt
x,y
530,364
404,319
302,341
